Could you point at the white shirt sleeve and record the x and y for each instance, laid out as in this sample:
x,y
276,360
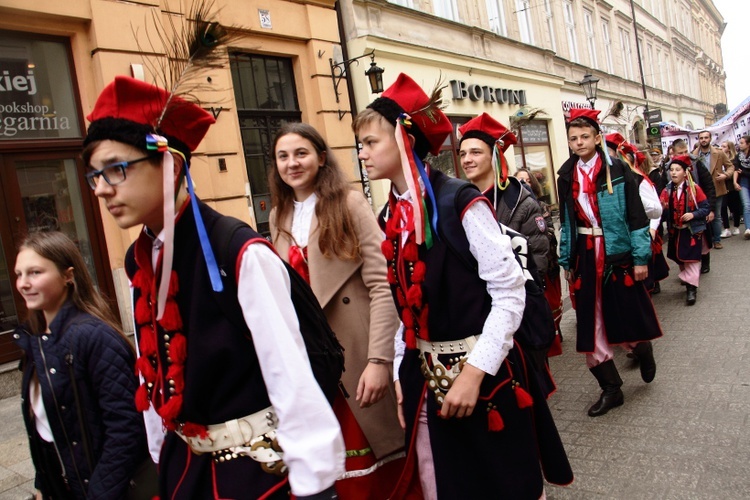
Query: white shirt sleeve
x,y
399,347
308,431
498,267
650,200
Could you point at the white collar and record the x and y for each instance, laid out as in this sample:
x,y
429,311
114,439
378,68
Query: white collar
x,y
586,165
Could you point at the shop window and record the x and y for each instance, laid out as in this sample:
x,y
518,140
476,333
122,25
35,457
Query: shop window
x,y
447,160
533,151
266,98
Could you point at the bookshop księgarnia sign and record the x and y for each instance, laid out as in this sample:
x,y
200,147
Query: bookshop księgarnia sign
x,y
475,92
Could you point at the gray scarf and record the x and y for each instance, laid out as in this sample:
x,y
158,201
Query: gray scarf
x,y
744,161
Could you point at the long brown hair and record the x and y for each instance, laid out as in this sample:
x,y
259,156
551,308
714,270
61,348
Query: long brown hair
x,y
732,150
337,233
536,188
57,247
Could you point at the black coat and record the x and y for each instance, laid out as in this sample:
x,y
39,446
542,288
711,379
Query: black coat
x,y
103,364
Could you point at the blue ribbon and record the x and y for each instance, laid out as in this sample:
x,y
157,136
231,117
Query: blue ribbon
x,y
208,253
430,194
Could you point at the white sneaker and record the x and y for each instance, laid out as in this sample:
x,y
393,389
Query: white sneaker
x,y
736,231
747,234
726,233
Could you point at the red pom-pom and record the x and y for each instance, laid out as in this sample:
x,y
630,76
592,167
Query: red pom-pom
x,y
387,248
577,284
142,311
410,337
407,317
495,421
141,398
414,296
174,284
178,348
171,409
140,280
628,280
190,429
523,398
171,320
145,368
410,251
400,298
147,341
420,269
177,373
391,276
692,242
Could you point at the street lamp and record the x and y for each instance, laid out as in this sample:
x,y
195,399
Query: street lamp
x,y
374,73
589,85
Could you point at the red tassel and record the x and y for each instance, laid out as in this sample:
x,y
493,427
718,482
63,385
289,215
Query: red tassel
x,y
400,298
414,296
410,338
692,242
628,280
145,368
174,285
407,317
142,311
177,373
523,398
147,341
577,284
141,398
192,430
387,248
171,320
171,409
178,349
391,232
410,251
495,421
589,243
140,280
420,269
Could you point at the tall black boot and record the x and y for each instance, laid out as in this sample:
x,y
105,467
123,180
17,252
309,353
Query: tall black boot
x,y
644,351
706,263
610,382
692,295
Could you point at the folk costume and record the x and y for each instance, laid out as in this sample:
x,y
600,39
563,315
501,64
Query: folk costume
x,y
599,245
658,269
687,240
516,208
356,299
452,315
234,399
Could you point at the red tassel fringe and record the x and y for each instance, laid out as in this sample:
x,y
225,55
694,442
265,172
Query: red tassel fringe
x,y
178,349
387,248
142,310
629,280
192,430
171,409
410,251
391,276
410,338
141,398
147,341
177,373
414,296
171,320
495,421
420,269
145,368
523,398
408,318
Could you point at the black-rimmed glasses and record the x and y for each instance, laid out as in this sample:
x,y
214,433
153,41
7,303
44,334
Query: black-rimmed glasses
x,y
114,174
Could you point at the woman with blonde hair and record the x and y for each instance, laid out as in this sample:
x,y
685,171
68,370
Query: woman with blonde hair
x,y
78,389
732,202
328,233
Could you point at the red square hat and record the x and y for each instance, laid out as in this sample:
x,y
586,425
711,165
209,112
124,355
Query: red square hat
x,y
429,127
683,160
591,116
129,109
489,130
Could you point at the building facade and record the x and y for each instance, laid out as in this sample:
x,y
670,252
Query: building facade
x,y
541,50
56,57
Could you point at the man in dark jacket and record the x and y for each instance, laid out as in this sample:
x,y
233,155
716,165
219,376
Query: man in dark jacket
x,y
482,146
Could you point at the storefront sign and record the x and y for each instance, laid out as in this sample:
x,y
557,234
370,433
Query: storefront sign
x,y
37,100
568,105
475,92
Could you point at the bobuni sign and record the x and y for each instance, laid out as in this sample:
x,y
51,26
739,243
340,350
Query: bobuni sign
x,y
37,100
476,92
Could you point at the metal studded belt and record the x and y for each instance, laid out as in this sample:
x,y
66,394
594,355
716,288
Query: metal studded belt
x,y
443,361
253,436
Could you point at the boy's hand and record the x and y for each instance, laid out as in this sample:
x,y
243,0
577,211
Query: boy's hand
x,y
462,396
640,272
373,384
688,217
400,401
709,217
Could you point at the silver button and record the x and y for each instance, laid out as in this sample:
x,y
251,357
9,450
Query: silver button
x,y
16,336
52,371
44,337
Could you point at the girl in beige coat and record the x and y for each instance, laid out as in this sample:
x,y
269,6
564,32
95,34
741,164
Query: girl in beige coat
x,y
328,233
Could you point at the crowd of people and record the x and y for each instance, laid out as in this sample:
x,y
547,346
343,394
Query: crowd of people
x,y
429,299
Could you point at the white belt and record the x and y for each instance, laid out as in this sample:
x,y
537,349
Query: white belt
x,y
463,345
252,435
594,231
